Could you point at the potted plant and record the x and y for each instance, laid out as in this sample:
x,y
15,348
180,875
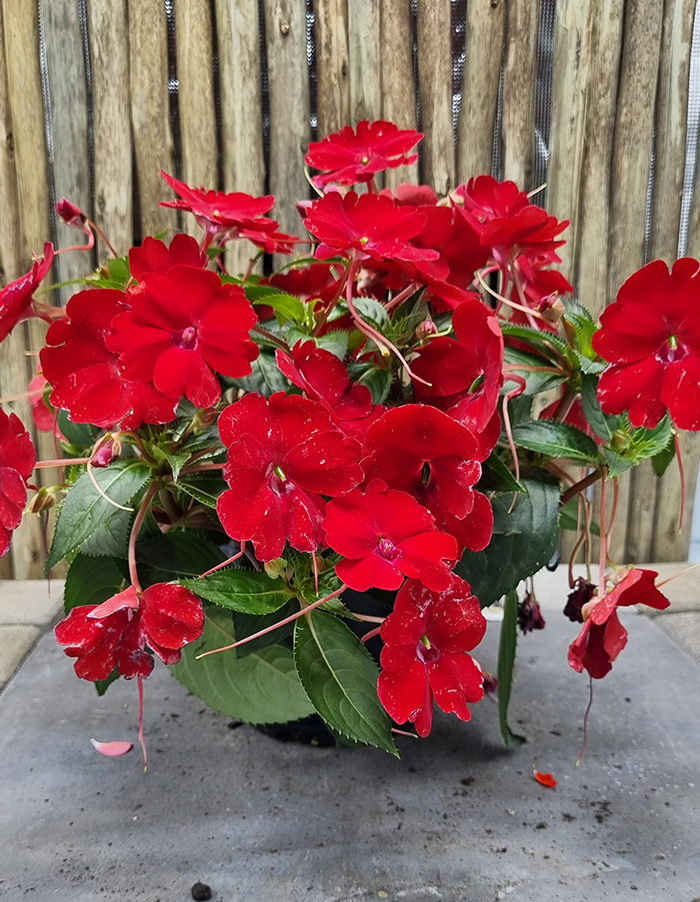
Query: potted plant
x,y
391,411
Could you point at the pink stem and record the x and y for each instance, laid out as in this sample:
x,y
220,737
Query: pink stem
x,y
102,236
275,626
370,635
60,462
603,536
681,473
79,247
401,296
225,563
135,529
509,303
585,721
511,377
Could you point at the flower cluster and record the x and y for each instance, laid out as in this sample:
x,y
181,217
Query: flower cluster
x,y
344,423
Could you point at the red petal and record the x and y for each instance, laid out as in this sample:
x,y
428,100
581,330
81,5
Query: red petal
x,y
547,780
172,615
112,749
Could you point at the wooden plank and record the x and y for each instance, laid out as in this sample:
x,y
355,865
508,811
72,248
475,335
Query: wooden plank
x,y
69,115
197,112
285,26
396,69
109,53
518,129
634,123
591,258
435,81
150,112
482,67
574,65
241,108
30,218
659,537
332,65
364,55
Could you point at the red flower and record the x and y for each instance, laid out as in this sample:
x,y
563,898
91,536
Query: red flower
x,y
283,455
17,459
84,374
181,329
115,634
155,256
324,378
466,375
72,216
603,636
351,156
371,225
16,298
385,534
44,417
427,639
651,336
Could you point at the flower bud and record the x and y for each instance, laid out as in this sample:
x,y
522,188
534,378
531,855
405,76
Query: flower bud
x,y
552,309
275,569
105,451
204,419
72,216
425,329
44,499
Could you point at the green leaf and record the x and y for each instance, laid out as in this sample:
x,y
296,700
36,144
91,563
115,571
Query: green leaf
x,y
286,306
583,324
602,424
177,461
203,487
664,457
544,342
258,688
372,311
496,477
506,661
101,686
556,440
378,381
340,677
175,555
523,541
264,378
535,383
84,510
111,538
650,442
91,580
241,590
617,463
79,434
119,272
246,625
568,518
336,342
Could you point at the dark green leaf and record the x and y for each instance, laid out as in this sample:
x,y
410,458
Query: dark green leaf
x,y
522,543
91,580
556,440
661,460
177,461
264,378
568,518
535,383
79,434
258,688
602,424
378,381
203,487
175,555
617,463
340,677
111,538
372,311
544,342
247,625
336,342
506,661
101,686
84,510
241,590
496,477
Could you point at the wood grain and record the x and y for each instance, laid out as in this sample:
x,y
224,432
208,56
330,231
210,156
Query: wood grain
x,y
435,80
518,129
364,56
332,65
396,68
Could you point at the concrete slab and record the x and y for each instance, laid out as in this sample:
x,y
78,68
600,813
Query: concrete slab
x,y
458,818
15,644
30,601
684,629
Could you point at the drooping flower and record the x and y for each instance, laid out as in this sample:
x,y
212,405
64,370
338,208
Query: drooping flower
x,y
603,636
427,639
284,454
369,225
155,256
181,330
352,156
581,593
84,374
529,615
385,535
17,459
16,297
651,336
72,216
119,632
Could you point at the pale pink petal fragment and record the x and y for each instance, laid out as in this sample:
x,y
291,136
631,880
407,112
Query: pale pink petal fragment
x,y
112,749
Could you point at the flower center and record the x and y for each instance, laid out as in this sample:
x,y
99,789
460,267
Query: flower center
x,y
280,474
476,384
427,653
387,549
365,160
425,473
186,338
671,350
364,241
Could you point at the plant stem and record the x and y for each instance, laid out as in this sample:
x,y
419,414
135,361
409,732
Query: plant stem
x,y
135,529
60,462
580,486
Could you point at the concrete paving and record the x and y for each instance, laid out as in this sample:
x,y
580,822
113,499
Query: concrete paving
x,y
458,818
27,607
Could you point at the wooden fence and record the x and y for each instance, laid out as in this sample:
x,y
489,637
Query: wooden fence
x,y
96,96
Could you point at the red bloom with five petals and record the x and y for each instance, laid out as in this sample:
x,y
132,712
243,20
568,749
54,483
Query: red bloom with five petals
x,y
181,329
385,534
155,256
16,297
284,454
651,336
352,156
603,636
17,459
425,656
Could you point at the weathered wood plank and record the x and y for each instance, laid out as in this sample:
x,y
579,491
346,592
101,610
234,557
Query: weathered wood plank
x,y
109,53
241,108
669,542
289,107
197,113
574,65
482,66
591,259
30,217
364,54
332,65
435,80
150,112
518,129
71,166
396,67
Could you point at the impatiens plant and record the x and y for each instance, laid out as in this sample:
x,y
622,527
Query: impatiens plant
x,y
299,487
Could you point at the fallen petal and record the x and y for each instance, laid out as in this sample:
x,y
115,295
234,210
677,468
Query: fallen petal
x,y
112,749
545,779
